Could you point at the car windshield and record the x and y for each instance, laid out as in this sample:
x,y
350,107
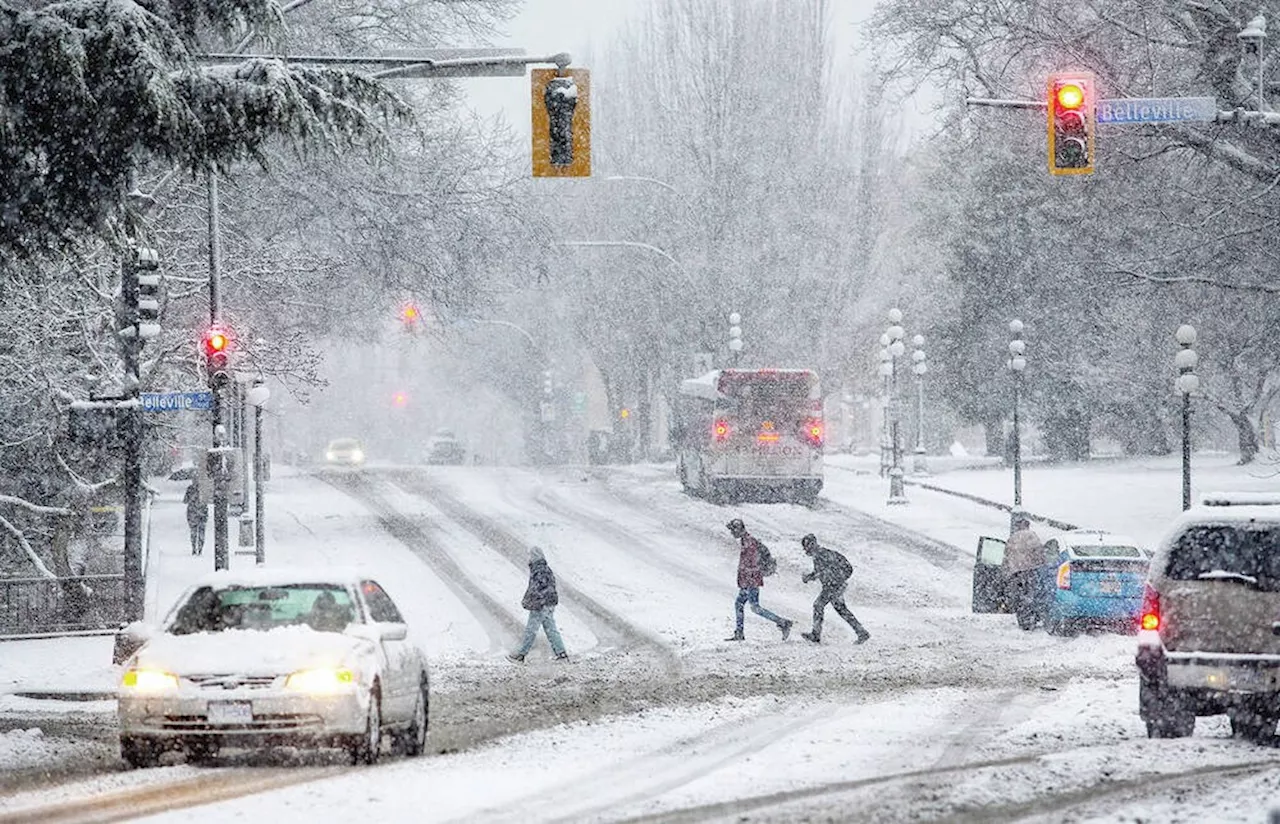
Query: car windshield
x,y
1241,552
345,443
323,607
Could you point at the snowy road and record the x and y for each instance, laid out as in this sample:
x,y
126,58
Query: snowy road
x,y
944,715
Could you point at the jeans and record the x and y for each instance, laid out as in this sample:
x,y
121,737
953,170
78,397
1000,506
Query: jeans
x,y
835,597
197,536
545,618
751,595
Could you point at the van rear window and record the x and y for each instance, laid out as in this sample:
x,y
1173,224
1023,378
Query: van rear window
x,y
1244,550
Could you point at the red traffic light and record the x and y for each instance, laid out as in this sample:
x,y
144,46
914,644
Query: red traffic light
x,y
215,341
400,400
1070,95
409,313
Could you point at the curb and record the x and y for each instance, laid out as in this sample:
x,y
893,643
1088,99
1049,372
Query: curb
x,y
1044,519
66,695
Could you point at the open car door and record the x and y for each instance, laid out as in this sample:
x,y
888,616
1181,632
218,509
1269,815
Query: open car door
x,y
988,583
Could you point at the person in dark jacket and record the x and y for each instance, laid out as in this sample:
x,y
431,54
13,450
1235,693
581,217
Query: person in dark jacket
x,y
197,516
540,599
832,570
750,579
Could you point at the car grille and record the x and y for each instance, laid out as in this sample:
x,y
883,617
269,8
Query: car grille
x,y
231,682
269,722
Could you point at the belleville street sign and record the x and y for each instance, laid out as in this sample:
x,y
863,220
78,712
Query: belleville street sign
x,y
1156,109
176,401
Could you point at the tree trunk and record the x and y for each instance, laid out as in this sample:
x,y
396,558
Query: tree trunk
x,y
1246,436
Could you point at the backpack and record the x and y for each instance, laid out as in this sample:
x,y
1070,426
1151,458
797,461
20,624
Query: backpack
x,y
842,564
768,564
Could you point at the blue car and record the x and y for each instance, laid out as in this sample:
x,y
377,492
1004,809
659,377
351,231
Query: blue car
x,y
1090,578
1097,581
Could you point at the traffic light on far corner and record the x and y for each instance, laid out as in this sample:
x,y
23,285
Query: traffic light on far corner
x,y
410,315
217,351
1071,123
561,108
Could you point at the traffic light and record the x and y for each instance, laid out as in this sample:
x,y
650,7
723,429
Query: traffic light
x,y
561,108
1071,123
217,350
400,399
140,291
410,315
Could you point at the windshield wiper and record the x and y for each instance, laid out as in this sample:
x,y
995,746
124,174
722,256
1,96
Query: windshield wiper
x,y
1223,575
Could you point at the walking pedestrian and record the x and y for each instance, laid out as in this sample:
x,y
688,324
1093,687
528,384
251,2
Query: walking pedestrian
x,y
832,570
1022,569
197,516
540,598
750,579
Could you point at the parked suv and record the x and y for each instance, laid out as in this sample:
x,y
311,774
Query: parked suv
x,y
1209,638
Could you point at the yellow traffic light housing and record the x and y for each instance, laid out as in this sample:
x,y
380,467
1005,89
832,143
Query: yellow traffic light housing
x,y
1071,104
561,106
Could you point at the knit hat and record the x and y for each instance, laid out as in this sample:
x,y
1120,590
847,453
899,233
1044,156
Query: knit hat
x,y
535,554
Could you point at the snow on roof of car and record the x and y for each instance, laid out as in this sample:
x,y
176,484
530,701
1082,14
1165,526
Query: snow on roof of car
x,y
1080,540
1240,499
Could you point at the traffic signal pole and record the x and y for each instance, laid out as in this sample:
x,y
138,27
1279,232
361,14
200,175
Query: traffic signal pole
x,y
135,590
218,459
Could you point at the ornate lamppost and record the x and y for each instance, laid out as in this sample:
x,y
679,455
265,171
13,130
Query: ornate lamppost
x,y
896,348
919,464
1017,363
1188,382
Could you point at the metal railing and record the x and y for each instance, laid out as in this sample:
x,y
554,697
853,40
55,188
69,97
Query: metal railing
x,y
50,606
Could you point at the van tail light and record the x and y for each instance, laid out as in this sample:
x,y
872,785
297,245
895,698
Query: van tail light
x,y
814,431
1150,609
1064,576
720,430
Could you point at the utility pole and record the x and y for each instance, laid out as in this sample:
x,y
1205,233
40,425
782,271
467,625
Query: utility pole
x,y
218,468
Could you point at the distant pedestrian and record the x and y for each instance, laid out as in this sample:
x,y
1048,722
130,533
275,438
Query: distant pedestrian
x,y
750,579
197,516
832,570
1022,572
540,598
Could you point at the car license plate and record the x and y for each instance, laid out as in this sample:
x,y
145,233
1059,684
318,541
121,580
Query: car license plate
x,y
1109,587
230,712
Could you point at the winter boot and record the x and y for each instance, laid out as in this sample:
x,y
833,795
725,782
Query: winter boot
x,y
562,656
516,657
863,638
785,626
737,636
809,636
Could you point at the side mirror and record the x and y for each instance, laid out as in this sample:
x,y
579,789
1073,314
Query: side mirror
x,y
393,632
129,639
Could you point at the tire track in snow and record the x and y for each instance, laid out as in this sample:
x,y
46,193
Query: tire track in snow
x,y
651,774
497,621
609,628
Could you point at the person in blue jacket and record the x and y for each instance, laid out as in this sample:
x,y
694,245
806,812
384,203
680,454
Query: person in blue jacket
x,y
540,598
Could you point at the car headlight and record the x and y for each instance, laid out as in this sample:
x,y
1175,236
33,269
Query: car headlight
x,y
147,680
329,456
321,681
357,455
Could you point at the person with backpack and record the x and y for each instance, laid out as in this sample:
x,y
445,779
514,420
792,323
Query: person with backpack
x,y
754,562
540,598
833,571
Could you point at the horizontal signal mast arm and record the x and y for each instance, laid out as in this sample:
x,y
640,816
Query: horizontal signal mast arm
x,y
1006,104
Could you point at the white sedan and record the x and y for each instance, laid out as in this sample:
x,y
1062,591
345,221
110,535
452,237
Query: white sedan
x,y
318,658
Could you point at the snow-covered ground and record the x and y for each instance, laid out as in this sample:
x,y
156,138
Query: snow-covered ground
x,y
942,714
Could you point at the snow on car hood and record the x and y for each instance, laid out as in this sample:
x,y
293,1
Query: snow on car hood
x,y
252,652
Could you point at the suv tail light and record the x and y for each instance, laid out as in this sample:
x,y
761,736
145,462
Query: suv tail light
x,y
1150,609
1064,576
720,430
813,431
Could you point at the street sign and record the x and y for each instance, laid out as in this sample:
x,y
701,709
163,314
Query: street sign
x,y
176,401
1157,109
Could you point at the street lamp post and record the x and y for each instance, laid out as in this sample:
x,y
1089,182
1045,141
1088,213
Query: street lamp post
x,y
885,370
1188,382
1017,363
735,338
897,491
919,463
